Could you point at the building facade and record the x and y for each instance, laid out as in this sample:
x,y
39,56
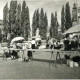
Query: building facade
x,y
75,15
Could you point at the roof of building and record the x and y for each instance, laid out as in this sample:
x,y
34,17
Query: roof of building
x,y
74,29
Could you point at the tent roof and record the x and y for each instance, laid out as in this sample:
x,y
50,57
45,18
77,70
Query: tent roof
x,y
73,29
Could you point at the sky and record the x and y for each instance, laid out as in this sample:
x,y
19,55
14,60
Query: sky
x,y
49,6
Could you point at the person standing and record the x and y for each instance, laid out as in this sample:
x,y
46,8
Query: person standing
x,y
29,53
47,43
33,43
51,43
66,43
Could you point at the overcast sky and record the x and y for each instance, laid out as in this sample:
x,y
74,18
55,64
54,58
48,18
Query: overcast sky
x,y
48,5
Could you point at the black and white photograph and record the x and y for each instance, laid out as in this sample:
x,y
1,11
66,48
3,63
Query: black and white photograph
x,y
39,39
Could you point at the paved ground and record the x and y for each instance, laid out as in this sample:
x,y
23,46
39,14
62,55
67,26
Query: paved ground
x,y
37,69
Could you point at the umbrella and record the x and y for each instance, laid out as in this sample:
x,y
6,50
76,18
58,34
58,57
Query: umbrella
x,y
73,29
17,39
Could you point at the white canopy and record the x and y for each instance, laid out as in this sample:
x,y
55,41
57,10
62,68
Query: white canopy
x,y
73,29
17,39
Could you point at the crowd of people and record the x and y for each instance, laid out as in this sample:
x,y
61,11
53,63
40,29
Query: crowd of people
x,y
71,43
68,44
53,44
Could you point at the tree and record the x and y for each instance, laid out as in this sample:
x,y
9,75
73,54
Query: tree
x,y
52,27
68,23
25,21
0,35
37,18
12,18
56,26
6,20
26,24
45,25
41,24
34,24
23,17
63,20
45,20
18,20
40,21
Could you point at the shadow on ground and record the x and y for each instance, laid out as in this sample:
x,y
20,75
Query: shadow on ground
x,y
58,61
